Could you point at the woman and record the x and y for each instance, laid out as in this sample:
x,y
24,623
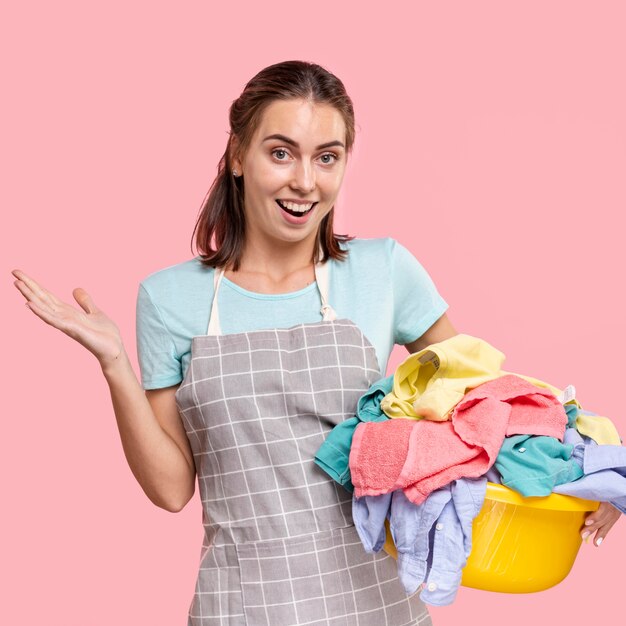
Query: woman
x,y
253,351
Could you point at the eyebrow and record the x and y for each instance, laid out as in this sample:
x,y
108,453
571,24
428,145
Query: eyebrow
x,y
295,144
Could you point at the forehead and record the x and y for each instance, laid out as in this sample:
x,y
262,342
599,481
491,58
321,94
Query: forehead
x,y
303,121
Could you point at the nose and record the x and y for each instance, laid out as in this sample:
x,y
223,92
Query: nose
x,y
303,179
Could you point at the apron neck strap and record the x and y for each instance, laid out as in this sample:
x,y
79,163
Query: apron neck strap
x,y
322,278
214,317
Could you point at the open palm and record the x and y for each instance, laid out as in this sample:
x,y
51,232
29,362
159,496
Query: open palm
x,y
89,326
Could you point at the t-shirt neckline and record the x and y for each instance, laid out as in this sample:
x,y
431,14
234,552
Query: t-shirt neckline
x,y
268,296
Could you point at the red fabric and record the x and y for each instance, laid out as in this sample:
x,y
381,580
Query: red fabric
x,y
421,456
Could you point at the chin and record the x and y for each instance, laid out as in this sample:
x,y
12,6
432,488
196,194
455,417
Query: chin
x,y
294,236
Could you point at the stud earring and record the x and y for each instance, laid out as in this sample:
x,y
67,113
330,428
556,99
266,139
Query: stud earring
x,y
235,173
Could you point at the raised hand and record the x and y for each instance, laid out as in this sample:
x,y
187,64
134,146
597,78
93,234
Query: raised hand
x,y
89,326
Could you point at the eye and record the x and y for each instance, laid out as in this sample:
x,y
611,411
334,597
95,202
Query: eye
x,y
328,158
280,154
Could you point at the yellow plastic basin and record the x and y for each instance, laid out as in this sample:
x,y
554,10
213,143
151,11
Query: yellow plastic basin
x,y
522,545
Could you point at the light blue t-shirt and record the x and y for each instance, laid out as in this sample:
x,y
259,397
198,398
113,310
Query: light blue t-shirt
x,y
380,286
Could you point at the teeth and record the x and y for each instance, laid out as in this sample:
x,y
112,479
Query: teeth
x,y
298,208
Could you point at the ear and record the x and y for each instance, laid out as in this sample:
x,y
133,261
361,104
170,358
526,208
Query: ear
x,y
235,155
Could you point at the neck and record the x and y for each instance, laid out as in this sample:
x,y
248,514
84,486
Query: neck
x,y
277,259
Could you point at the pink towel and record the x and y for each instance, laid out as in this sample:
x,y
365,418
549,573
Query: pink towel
x,y
421,456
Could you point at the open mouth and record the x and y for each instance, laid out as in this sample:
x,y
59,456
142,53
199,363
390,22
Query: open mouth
x,y
297,210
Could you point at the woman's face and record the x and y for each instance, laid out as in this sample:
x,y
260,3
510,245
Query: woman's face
x,y
292,170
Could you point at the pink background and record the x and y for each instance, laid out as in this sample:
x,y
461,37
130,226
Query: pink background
x,y
492,143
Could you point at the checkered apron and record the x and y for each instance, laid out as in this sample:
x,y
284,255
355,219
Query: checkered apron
x,y
280,546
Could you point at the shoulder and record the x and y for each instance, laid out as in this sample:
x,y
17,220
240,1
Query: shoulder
x,y
176,293
363,252
368,244
375,247
177,279
380,256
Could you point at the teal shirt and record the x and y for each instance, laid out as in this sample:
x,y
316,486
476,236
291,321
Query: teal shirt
x,y
534,464
380,286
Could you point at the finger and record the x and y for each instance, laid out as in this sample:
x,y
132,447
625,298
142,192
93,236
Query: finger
x,y
588,531
603,532
34,286
47,316
28,293
31,283
592,524
600,522
85,301
596,519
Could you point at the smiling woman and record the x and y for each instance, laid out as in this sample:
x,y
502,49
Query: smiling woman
x,y
252,352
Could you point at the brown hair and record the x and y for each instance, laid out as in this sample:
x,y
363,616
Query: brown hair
x,y
221,222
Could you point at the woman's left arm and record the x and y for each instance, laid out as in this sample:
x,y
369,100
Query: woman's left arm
x,y
598,522
442,329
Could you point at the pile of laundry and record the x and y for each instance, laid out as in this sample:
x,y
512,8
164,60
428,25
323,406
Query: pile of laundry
x,y
424,442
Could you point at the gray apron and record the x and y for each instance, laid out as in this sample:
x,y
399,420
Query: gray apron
x,y
280,546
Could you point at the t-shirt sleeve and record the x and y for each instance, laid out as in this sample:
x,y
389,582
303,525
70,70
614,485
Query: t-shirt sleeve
x,y
416,301
158,362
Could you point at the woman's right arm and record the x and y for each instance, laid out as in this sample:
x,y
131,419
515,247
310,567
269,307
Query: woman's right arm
x,y
150,427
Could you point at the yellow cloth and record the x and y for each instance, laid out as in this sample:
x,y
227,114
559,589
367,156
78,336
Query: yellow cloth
x,y
430,383
600,429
